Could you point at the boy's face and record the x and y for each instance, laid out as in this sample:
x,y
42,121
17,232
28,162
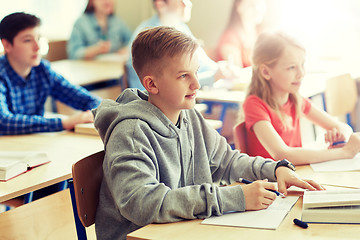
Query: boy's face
x,y
25,49
177,85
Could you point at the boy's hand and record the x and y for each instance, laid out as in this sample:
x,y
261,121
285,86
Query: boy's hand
x,y
287,178
82,117
256,195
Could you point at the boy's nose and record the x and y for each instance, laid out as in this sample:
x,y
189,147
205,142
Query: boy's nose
x,y
196,84
37,45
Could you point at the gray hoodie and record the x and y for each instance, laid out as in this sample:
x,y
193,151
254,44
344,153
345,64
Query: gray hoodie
x,y
156,172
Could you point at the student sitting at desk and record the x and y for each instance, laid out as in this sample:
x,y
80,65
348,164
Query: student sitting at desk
x,y
273,107
163,162
98,31
175,13
26,82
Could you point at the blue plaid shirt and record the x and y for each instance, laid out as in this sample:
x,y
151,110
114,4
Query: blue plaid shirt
x,y
22,101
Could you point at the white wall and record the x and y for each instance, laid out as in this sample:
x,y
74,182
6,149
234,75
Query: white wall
x,y
57,16
208,16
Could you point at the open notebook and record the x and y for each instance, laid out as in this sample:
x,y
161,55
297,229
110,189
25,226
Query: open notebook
x,y
269,218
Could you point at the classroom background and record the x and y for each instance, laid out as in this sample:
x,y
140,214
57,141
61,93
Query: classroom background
x,y
328,28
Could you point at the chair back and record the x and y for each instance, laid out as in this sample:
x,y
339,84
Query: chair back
x,y
240,137
340,95
57,50
87,176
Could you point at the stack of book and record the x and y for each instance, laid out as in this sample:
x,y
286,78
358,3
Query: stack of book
x,y
341,206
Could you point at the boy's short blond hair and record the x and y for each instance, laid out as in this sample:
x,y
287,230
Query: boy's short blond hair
x,y
152,46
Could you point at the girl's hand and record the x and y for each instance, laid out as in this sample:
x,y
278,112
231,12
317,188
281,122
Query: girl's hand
x,y
352,147
334,135
103,47
257,196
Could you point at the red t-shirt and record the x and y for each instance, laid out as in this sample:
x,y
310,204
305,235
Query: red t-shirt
x,y
256,110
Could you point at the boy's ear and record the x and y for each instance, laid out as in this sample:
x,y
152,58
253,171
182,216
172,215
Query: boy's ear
x,y
264,71
7,45
150,85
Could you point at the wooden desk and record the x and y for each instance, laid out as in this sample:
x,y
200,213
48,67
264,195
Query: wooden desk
x,y
63,148
87,72
101,77
287,230
221,95
228,99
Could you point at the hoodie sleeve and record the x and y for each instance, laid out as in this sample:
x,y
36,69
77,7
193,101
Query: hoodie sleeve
x,y
228,165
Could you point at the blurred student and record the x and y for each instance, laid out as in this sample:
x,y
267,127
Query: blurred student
x,y
98,31
163,162
174,13
274,106
237,41
26,81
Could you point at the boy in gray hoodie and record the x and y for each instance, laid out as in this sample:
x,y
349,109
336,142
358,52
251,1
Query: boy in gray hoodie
x,y
163,162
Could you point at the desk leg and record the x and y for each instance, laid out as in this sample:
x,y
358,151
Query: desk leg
x,y
209,106
225,106
80,229
28,197
63,185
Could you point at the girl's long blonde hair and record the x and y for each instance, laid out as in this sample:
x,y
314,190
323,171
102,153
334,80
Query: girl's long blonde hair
x,y
268,48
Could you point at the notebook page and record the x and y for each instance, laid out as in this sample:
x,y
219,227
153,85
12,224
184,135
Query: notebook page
x,y
269,218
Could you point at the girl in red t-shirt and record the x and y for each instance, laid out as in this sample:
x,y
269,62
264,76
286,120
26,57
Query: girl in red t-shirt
x,y
273,107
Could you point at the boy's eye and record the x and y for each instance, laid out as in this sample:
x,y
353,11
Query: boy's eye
x,y
183,76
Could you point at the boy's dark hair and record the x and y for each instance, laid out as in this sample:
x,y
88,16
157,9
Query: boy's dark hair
x,y
14,23
151,46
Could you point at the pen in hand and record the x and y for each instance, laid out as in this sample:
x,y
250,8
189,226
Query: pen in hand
x,y
338,143
242,180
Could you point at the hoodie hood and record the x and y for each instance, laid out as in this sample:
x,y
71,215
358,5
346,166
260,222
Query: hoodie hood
x,y
131,104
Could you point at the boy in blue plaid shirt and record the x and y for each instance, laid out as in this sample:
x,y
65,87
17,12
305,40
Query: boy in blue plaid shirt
x,y
26,81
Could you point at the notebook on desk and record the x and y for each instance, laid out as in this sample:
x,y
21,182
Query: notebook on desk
x,y
86,128
269,218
